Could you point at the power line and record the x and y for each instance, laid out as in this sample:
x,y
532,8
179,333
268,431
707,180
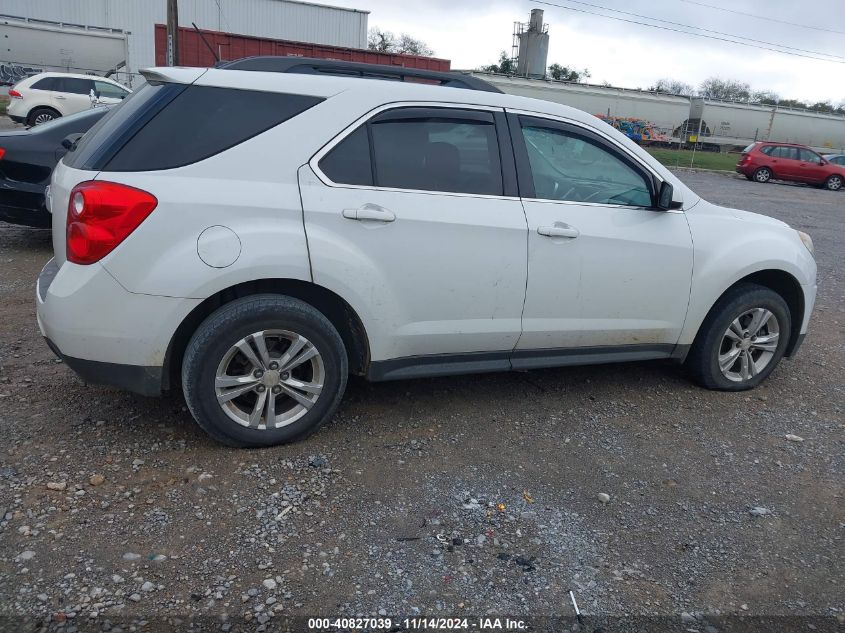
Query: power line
x,y
698,28
712,37
765,17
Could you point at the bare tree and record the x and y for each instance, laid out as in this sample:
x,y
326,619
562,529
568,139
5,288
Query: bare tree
x,y
672,86
386,42
380,40
408,45
727,89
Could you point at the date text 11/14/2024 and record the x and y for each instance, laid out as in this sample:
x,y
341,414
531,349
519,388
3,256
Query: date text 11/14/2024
x,y
418,624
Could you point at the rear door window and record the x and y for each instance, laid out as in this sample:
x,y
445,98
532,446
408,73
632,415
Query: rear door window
x,y
421,149
74,85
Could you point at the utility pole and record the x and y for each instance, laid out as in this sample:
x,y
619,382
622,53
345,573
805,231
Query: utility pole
x,y
172,32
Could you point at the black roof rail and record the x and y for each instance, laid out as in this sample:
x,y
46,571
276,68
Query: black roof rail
x,y
315,66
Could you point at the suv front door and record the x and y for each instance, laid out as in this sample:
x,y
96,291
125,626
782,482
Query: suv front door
x,y
608,274
413,216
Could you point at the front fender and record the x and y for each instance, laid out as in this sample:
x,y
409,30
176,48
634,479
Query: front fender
x,y
729,248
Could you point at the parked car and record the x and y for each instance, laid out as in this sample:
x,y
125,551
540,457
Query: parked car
x,y
27,159
47,96
836,159
763,161
406,230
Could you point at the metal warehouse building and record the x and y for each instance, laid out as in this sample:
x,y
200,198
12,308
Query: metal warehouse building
x,y
280,19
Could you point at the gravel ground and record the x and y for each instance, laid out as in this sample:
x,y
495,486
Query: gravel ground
x,y
446,497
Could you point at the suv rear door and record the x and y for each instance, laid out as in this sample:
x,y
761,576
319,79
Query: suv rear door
x,y
608,273
413,216
72,94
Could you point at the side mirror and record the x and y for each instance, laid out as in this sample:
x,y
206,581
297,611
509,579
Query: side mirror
x,y
666,198
69,142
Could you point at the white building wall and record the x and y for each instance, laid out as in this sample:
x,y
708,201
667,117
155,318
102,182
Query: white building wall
x,y
279,19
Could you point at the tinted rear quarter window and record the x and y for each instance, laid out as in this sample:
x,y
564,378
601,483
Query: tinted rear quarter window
x,y
203,121
164,126
47,83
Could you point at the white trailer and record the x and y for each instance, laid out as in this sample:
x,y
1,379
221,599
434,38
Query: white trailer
x,y
666,112
36,45
725,124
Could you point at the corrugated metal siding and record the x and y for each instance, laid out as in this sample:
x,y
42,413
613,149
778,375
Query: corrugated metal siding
x,y
278,19
194,52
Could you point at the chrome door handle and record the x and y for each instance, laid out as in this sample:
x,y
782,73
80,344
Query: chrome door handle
x,y
559,231
370,212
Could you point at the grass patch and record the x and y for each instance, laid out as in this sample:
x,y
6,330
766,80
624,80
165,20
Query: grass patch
x,y
4,102
702,160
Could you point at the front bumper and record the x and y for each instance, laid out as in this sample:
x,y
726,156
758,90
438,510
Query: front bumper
x,y
103,332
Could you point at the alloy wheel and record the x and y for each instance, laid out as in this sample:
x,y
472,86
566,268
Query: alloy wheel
x,y
43,118
834,183
763,175
269,379
749,344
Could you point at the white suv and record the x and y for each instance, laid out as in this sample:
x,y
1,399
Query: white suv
x,y
47,96
391,230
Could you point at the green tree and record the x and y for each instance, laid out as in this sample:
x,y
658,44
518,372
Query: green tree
x,y
506,65
565,73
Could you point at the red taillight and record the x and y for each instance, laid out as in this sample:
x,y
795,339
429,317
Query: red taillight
x,y
2,153
100,215
14,94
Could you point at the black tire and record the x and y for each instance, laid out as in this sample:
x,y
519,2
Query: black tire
x,y
763,175
231,323
702,363
42,113
834,182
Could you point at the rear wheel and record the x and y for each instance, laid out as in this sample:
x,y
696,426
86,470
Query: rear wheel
x,y
742,339
41,115
264,370
764,174
834,182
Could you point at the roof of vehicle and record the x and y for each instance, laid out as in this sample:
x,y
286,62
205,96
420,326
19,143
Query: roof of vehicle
x,y
73,76
374,90
780,143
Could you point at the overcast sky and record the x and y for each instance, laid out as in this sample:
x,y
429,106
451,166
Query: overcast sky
x,y
473,32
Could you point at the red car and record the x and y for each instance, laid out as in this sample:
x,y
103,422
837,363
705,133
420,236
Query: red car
x,y
763,161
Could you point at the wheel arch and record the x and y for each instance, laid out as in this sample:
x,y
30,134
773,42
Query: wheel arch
x,y
43,107
784,284
335,308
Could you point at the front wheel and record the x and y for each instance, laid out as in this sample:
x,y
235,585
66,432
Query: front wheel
x,y
833,183
264,370
742,339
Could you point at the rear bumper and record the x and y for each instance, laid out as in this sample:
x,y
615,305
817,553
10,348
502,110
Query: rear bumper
x,y
146,381
38,218
103,332
17,119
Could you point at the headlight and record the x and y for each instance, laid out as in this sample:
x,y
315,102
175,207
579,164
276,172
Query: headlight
x,y
808,242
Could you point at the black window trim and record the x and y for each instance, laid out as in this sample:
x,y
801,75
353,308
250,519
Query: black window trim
x,y
415,110
523,167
